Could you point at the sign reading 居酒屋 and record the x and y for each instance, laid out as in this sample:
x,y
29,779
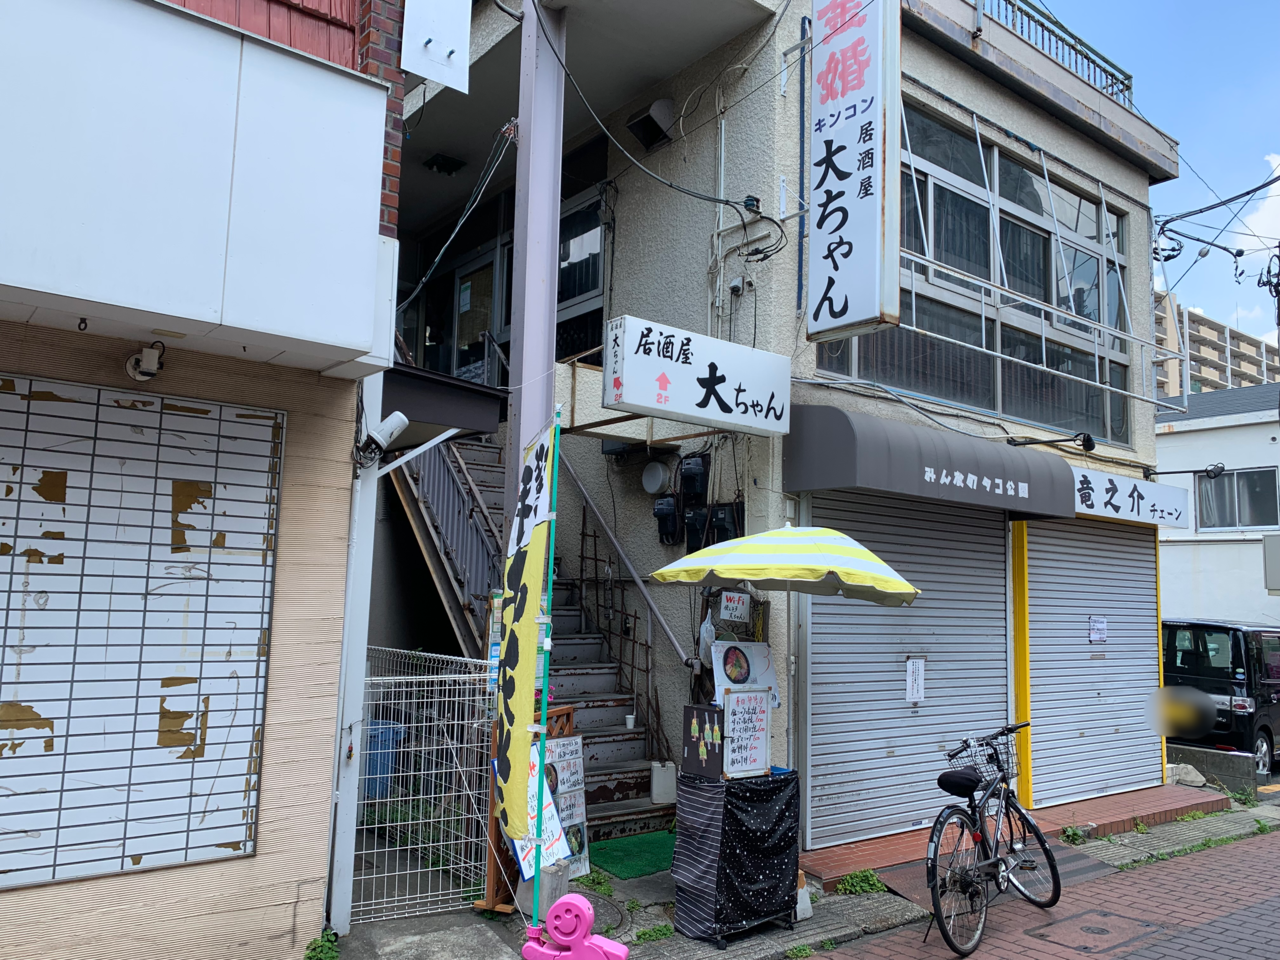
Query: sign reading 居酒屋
x,y
854,174
1102,494
675,374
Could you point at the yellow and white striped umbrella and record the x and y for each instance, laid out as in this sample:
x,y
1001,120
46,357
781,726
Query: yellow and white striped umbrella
x,y
814,560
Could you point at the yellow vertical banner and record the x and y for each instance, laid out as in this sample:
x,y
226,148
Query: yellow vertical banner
x,y
1022,658
523,578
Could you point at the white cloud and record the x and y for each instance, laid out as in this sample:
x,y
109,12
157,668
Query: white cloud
x,y
1271,337
1264,217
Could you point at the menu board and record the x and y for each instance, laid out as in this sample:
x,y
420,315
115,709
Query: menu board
x,y
742,665
554,844
565,777
746,731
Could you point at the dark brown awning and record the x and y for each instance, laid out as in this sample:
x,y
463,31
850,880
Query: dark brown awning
x,y
434,402
831,449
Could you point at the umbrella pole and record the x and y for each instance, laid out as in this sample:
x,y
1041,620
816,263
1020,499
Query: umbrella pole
x,y
545,653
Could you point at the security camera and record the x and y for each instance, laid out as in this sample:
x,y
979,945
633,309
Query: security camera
x,y
380,437
145,365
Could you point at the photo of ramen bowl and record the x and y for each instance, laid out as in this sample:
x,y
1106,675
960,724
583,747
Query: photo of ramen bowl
x,y
737,668
573,837
553,777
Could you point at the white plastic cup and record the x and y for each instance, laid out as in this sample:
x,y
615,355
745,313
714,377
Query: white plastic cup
x,y
631,721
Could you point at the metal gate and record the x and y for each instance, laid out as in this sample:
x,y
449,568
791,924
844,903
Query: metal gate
x,y
1090,732
873,757
423,815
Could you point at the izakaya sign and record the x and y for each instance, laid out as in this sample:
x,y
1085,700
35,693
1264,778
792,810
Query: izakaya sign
x,y
854,197
1101,494
677,375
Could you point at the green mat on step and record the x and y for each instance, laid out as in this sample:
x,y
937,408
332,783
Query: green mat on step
x,y
630,857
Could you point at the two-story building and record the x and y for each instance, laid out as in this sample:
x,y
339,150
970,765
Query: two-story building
x,y
1025,305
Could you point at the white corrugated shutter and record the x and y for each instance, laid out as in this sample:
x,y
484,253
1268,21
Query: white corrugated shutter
x,y
137,548
872,757
1090,733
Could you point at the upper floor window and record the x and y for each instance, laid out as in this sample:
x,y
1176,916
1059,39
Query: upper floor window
x,y
1031,263
1238,499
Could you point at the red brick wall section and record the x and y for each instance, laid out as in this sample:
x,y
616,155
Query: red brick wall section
x,y
381,27
322,28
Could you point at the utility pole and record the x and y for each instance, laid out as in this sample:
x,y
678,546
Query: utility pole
x,y
536,253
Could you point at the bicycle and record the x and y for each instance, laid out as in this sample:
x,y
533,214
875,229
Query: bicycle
x,y
988,841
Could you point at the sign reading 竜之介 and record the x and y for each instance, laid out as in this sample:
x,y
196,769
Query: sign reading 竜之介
x,y
854,171
1109,495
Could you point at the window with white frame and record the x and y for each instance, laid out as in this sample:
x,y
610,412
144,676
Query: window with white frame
x,y
1045,243
1238,500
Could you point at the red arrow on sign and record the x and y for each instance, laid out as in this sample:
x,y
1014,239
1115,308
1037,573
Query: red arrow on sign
x,y
663,382
617,383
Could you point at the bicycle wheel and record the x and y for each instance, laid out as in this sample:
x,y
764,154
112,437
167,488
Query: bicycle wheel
x,y
959,890
1032,869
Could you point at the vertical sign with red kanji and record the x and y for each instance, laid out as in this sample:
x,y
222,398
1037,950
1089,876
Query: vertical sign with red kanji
x,y
854,168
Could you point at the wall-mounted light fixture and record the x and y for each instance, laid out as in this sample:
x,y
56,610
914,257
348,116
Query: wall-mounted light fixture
x,y
1213,471
1084,440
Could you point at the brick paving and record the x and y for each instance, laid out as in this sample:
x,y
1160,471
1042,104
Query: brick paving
x,y
1219,904
1113,814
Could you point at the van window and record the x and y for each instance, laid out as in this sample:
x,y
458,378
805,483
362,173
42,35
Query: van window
x,y
1269,647
1198,652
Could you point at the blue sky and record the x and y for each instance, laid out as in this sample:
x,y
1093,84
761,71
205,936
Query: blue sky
x,y
1207,74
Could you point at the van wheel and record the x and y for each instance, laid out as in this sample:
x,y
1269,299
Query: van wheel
x,y
1262,754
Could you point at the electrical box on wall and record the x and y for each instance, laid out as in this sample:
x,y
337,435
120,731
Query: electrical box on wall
x,y
668,516
727,521
695,528
694,473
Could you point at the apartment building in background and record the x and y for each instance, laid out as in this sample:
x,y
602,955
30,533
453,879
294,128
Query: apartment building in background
x,y
1220,356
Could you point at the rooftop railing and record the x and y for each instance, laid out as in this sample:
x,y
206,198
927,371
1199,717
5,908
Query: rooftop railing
x,y
1042,30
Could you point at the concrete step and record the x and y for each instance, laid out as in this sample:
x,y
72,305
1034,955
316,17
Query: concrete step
x,y
567,648
472,452
567,620
594,710
614,782
627,817
578,678
611,745
564,592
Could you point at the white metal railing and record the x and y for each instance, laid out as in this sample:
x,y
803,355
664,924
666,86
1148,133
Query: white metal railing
x,y
422,820
995,302
1043,31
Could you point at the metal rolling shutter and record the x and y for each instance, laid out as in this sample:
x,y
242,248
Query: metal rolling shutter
x,y
873,758
1090,733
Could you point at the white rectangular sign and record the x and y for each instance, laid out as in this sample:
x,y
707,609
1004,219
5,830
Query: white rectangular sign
x,y
746,732
1100,494
854,171
675,374
735,606
437,41
1097,629
915,679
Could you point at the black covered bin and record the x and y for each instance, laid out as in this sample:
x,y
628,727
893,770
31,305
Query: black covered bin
x,y
737,853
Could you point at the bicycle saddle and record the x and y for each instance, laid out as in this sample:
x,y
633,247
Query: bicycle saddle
x,y
960,783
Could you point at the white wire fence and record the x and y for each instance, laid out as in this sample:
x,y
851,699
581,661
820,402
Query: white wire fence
x,y
422,823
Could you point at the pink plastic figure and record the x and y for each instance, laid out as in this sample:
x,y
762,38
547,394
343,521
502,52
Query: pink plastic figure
x,y
569,923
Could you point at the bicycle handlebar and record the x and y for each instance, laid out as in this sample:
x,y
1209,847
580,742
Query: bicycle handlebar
x,y
968,742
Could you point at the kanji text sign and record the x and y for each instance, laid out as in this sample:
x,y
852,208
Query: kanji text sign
x,y
1101,494
855,183
675,374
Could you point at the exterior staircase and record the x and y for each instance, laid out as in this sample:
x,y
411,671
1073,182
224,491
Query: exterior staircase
x,y
457,491
614,757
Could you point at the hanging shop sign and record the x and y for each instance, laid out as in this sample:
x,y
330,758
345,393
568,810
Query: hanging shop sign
x,y
675,374
1101,494
735,606
437,41
523,577
745,664
854,174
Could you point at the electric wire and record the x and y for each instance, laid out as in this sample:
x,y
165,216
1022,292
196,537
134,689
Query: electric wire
x,y
501,141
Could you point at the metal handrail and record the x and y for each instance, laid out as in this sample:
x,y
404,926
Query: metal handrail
x,y
1048,34
654,612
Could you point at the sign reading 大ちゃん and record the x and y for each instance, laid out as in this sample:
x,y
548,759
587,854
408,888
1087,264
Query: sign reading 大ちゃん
x,y
667,372
854,135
